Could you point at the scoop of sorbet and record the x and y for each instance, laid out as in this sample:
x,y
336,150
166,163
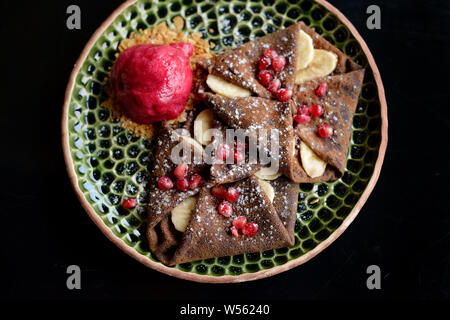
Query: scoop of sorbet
x,y
152,82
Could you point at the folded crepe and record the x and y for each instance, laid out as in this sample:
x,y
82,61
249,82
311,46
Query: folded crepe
x,y
223,172
240,66
166,200
208,234
255,116
339,105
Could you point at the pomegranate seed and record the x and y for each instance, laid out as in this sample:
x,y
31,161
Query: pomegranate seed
x,y
181,171
264,63
234,231
219,191
223,151
278,63
238,156
274,86
232,194
196,181
165,183
316,110
129,203
270,53
183,184
303,110
265,77
321,90
225,209
250,229
239,222
284,94
302,118
325,130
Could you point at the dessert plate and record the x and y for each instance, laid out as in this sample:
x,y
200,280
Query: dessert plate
x,y
107,163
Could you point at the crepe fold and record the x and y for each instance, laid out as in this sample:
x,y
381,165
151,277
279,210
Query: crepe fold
x,y
165,200
207,234
240,66
339,104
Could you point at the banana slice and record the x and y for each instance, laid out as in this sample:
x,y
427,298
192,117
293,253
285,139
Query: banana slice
x,y
323,63
181,214
267,188
202,124
313,165
267,173
305,50
225,88
194,143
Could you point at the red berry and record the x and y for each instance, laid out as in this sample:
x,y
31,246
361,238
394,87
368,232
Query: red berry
x,y
284,94
129,203
316,110
219,191
265,77
321,89
302,118
239,222
183,184
270,53
225,209
181,171
234,231
278,63
196,181
250,229
263,63
165,183
325,130
223,151
232,194
303,110
238,156
274,86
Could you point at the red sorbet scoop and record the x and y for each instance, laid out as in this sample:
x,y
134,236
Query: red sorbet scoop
x,y
152,82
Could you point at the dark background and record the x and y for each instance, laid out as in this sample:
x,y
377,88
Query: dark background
x,y
403,227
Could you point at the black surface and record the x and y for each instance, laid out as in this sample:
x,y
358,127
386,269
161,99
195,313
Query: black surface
x,y
403,227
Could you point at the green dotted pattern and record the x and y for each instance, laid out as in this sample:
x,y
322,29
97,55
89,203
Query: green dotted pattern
x,y
111,163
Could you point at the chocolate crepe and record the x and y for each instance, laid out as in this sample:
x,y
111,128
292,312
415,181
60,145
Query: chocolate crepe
x,y
166,200
240,66
229,172
254,115
207,234
339,105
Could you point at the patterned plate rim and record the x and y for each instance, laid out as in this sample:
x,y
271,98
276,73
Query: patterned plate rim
x,y
228,278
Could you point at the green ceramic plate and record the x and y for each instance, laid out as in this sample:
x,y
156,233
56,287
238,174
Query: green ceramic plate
x,y
107,163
